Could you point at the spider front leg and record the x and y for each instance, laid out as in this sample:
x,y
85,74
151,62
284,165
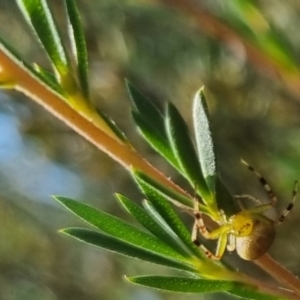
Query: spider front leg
x,y
271,195
263,182
220,233
290,205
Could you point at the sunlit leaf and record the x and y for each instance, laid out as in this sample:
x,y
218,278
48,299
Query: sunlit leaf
x,y
39,16
204,143
32,72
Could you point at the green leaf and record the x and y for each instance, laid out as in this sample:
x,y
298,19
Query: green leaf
x,y
39,16
175,197
150,123
204,141
248,292
168,214
78,45
46,75
118,228
151,224
114,244
157,141
182,284
193,285
147,109
184,151
163,207
37,74
113,126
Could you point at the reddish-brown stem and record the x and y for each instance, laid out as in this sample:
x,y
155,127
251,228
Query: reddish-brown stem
x,y
39,92
280,273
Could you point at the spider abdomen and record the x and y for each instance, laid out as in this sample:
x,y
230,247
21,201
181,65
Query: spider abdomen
x,y
257,243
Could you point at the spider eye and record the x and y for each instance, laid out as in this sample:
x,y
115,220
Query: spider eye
x,y
241,225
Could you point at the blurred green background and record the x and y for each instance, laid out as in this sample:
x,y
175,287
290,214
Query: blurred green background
x,y
168,55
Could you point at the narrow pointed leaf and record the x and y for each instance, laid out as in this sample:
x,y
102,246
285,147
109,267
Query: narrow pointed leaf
x,y
245,292
150,123
16,58
158,142
182,284
158,218
39,16
118,228
78,45
204,140
114,244
47,76
174,197
184,150
168,214
147,109
113,126
151,224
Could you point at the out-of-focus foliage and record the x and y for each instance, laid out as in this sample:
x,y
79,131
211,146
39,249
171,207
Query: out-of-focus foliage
x,y
167,56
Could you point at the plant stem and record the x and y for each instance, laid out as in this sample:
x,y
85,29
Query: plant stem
x,y
279,272
35,89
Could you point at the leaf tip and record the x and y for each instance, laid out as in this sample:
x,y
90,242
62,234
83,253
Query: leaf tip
x,y
56,197
63,231
201,90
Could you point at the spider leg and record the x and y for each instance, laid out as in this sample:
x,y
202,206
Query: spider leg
x,y
219,233
290,205
263,182
222,242
231,243
200,226
249,197
199,223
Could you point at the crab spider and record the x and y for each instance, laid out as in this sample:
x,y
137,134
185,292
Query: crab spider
x,y
249,232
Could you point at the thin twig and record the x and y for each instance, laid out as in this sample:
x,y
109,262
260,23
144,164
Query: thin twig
x,y
56,105
279,272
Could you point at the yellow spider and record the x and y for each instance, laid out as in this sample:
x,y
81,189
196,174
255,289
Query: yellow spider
x,y
248,232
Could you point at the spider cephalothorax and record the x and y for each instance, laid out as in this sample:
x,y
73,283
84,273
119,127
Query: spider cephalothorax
x,y
248,232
